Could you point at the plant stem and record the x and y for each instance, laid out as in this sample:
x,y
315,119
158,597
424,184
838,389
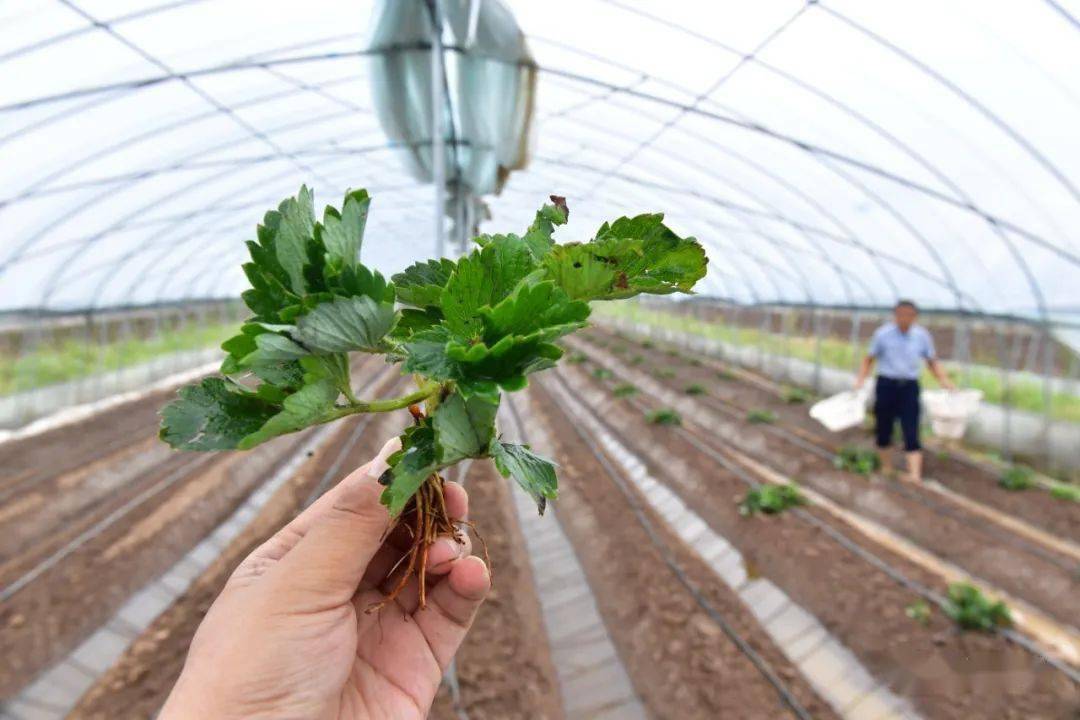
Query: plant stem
x,y
373,406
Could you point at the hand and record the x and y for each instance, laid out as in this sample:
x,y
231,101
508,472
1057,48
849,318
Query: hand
x,y
859,382
289,637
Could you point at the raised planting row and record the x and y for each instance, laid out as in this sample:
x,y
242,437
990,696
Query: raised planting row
x,y
686,638
953,467
747,392
85,540
497,675
834,567
1041,574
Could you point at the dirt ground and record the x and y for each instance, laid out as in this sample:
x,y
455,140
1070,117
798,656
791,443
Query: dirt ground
x,y
945,674
1034,506
504,667
1040,575
680,661
137,685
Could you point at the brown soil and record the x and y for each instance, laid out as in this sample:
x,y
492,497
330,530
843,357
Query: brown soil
x,y
66,603
680,661
137,685
35,460
1034,506
504,667
1039,575
946,675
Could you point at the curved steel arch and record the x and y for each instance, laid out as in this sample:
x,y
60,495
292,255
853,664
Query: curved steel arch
x,y
757,197
695,193
846,109
924,242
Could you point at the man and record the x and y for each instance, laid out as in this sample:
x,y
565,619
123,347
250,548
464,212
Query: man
x,y
899,348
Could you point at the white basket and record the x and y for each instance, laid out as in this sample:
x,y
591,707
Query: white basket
x,y
950,410
840,412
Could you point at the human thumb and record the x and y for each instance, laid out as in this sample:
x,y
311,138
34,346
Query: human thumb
x,y
328,563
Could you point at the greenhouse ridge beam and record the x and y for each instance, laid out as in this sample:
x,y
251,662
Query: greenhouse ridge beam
x,y
707,93
964,202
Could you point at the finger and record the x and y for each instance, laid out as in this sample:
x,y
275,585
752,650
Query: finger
x,y
451,607
445,551
328,562
457,508
385,569
400,540
287,537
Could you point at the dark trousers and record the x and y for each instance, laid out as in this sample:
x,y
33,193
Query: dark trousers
x,y
897,400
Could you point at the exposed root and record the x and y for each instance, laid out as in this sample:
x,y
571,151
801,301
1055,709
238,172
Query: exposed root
x,y
426,520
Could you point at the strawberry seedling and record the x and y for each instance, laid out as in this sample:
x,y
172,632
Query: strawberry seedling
x,y
857,460
972,610
919,611
623,390
771,499
1016,478
665,373
466,330
577,358
761,417
794,395
694,389
1065,491
637,360
664,416
602,373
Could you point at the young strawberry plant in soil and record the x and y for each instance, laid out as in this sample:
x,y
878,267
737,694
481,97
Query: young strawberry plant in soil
x,y
771,499
467,330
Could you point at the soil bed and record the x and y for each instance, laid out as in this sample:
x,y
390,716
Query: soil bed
x,y
679,659
1039,575
141,679
504,666
1034,506
67,602
945,674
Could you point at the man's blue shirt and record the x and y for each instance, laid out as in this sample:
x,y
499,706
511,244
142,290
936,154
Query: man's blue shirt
x,y
899,354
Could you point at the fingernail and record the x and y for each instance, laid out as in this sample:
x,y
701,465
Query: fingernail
x,y
456,548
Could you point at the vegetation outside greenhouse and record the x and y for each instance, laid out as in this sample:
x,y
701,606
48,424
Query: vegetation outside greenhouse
x,y
73,358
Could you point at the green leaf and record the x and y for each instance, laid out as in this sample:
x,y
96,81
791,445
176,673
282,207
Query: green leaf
x,y
631,256
345,325
213,415
271,347
538,236
463,428
425,354
307,406
296,227
343,233
412,320
484,278
535,474
355,280
422,283
532,308
410,467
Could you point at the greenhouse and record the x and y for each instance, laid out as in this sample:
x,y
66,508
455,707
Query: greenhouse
x,y
498,359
